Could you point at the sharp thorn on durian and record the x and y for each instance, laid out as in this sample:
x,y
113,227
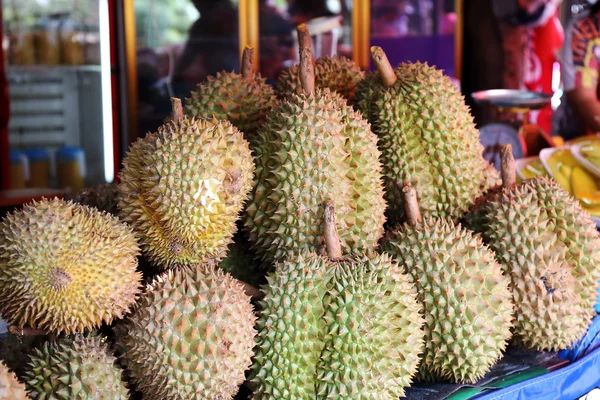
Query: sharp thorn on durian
x,y
330,234
248,63
507,166
385,69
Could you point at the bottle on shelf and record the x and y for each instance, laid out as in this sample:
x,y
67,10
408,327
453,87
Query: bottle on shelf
x,y
39,167
70,168
19,169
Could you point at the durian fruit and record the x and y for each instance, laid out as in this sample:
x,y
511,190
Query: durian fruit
x,y
427,138
75,368
314,146
10,387
339,328
291,329
103,196
467,301
16,347
337,73
183,187
65,267
191,336
365,93
243,99
548,246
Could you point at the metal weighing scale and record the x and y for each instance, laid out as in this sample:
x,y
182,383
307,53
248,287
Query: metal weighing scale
x,y
529,139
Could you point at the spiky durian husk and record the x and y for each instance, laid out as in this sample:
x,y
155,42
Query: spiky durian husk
x,y
373,335
365,93
427,138
183,188
467,301
10,387
77,368
191,336
65,267
291,329
314,148
15,350
339,74
548,245
228,96
104,197
348,329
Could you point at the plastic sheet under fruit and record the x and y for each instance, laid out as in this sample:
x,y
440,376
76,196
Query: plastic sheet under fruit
x,y
569,383
549,378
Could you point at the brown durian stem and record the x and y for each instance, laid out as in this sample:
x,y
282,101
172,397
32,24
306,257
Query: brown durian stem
x,y
248,63
15,330
251,291
385,69
507,166
177,113
411,205
304,40
332,239
307,69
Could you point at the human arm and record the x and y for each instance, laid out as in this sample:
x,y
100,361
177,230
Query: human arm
x,y
585,103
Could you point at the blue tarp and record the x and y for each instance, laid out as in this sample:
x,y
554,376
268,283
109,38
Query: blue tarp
x,y
570,382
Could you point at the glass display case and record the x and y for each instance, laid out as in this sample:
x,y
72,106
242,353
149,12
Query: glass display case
x,y
58,69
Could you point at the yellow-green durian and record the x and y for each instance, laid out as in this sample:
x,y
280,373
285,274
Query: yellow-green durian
x,y
313,148
81,367
548,246
243,99
183,187
337,327
427,138
466,298
191,336
337,73
65,267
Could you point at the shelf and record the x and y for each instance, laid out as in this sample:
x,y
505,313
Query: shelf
x,y
45,68
17,197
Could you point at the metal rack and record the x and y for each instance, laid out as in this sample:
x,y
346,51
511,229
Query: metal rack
x,y
55,106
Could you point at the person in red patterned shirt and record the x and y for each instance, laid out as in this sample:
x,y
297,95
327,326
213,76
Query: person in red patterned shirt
x,y
580,107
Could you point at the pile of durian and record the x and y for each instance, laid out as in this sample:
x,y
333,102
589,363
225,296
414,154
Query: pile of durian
x,y
340,241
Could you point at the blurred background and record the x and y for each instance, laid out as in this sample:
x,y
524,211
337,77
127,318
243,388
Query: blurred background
x,y
82,79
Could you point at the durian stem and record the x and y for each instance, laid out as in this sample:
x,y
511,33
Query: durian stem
x,y
251,291
248,63
15,330
332,239
385,69
304,40
177,113
411,205
507,166
307,71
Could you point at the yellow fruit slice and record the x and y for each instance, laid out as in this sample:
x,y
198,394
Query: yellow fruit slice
x,y
584,187
594,211
534,168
